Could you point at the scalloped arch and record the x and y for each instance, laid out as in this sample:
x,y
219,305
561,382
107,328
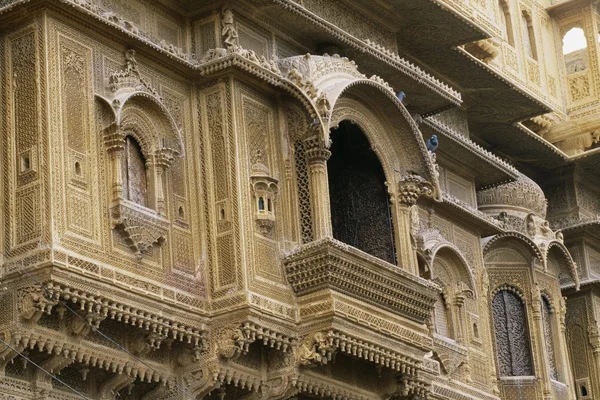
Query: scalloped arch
x,y
511,288
493,242
562,250
394,116
462,265
152,103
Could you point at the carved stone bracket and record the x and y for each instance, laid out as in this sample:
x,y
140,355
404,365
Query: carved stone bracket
x,y
411,187
140,228
34,301
316,349
232,343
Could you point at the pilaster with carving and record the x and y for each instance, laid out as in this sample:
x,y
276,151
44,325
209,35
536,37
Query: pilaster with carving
x,y
410,188
316,156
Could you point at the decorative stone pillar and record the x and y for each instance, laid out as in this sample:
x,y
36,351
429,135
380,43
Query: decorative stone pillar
x,y
594,338
163,160
410,188
114,140
544,372
316,157
565,363
457,315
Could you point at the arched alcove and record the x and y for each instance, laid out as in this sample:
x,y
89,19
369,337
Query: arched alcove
x,y
506,21
360,208
528,34
575,50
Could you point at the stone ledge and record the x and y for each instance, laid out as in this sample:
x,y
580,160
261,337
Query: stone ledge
x,y
330,264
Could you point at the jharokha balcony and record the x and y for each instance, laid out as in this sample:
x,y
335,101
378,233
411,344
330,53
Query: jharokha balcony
x,y
329,264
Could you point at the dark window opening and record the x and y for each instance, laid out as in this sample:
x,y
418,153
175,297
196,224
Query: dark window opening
x,y
261,203
583,390
77,168
25,163
181,212
360,207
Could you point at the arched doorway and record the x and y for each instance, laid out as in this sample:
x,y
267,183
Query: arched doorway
x,y
360,207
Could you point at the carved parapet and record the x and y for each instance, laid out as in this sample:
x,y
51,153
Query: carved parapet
x,y
138,226
411,187
330,264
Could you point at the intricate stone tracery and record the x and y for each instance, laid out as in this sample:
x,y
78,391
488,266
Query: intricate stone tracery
x,y
288,311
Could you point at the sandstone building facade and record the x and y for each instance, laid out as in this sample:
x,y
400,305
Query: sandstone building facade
x,y
227,200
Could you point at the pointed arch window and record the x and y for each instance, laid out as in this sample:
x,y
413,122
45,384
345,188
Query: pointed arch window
x,y
528,35
547,316
506,22
512,337
575,50
135,180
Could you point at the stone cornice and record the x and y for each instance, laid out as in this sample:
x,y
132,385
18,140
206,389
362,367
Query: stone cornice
x,y
472,147
521,90
487,224
87,353
331,264
392,59
191,62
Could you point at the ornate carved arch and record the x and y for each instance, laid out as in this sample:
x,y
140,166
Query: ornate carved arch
x,y
459,262
511,287
327,80
397,126
149,109
563,254
524,241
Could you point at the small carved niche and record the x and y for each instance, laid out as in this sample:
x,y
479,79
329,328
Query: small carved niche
x,y
265,189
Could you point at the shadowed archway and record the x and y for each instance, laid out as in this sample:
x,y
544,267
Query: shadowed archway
x,y
360,208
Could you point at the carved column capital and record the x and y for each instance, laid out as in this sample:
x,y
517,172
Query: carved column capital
x,y
163,157
316,151
411,187
114,139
